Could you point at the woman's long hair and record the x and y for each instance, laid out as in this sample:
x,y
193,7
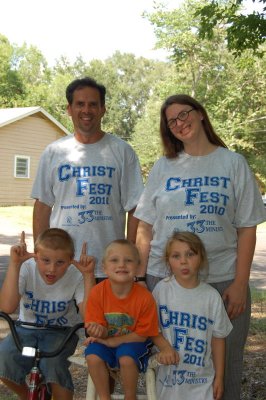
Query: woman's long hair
x,y
171,145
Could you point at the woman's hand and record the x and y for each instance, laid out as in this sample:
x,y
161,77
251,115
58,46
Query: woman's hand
x,y
235,299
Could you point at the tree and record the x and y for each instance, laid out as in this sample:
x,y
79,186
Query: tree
x,y
129,81
32,68
242,31
11,87
230,89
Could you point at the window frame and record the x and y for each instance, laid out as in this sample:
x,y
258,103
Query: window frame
x,y
27,159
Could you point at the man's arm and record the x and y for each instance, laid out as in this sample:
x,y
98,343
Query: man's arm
x,y
132,226
143,241
41,218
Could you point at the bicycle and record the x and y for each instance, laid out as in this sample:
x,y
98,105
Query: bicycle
x,y
37,388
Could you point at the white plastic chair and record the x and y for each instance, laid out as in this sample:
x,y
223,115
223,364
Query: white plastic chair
x,y
149,380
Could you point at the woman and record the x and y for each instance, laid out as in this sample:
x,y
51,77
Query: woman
x,y
202,187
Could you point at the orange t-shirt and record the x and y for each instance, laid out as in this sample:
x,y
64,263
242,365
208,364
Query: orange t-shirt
x,y
135,313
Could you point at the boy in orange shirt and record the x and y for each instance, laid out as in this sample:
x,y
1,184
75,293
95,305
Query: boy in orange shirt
x,y
120,318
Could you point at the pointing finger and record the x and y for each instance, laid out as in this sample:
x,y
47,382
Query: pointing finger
x,y
22,238
84,249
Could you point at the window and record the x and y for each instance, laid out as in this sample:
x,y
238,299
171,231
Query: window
x,y
22,167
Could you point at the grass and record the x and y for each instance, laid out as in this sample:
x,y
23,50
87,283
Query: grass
x,y
19,215
258,317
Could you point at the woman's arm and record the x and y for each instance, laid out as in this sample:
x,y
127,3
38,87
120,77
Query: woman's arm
x,y
235,295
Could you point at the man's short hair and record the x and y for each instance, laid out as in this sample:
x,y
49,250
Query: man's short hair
x,y
82,83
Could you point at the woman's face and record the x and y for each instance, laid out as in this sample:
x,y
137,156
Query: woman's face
x,y
188,126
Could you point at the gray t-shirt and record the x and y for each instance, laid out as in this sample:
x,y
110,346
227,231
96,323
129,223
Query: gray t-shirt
x,y
189,318
90,187
211,196
51,304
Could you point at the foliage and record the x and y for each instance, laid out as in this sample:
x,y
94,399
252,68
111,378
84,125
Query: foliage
x,y
129,82
11,87
242,31
231,89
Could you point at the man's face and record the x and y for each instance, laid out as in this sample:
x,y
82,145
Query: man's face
x,y
86,112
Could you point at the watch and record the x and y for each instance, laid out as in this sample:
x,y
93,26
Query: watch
x,y
140,279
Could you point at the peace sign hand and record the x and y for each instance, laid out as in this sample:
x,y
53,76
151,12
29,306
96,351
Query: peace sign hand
x,y
19,253
86,264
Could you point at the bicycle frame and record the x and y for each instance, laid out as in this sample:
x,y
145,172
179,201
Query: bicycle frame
x,y
37,388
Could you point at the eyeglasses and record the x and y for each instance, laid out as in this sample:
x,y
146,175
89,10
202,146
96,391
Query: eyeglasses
x,y
182,116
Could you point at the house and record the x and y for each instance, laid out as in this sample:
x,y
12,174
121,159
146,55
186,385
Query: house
x,y
24,134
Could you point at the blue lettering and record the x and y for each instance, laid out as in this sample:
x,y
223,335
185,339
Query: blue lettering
x,y
179,334
63,176
164,320
225,181
199,346
185,319
189,342
225,198
61,306
45,307
191,195
35,304
174,317
170,184
202,323
81,186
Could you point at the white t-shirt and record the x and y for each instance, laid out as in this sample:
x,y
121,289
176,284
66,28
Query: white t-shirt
x,y
189,318
211,196
50,304
90,187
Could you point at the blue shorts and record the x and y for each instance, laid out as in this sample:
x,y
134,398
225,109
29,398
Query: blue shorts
x,y
15,367
139,351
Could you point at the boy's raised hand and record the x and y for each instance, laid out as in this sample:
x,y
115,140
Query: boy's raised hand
x,y
19,253
86,264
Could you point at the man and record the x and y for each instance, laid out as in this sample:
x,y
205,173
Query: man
x,y
87,182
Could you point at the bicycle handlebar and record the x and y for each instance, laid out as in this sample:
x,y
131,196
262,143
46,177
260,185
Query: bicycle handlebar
x,y
70,330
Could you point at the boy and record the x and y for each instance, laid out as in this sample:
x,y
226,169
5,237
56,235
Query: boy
x,y
120,317
46,285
